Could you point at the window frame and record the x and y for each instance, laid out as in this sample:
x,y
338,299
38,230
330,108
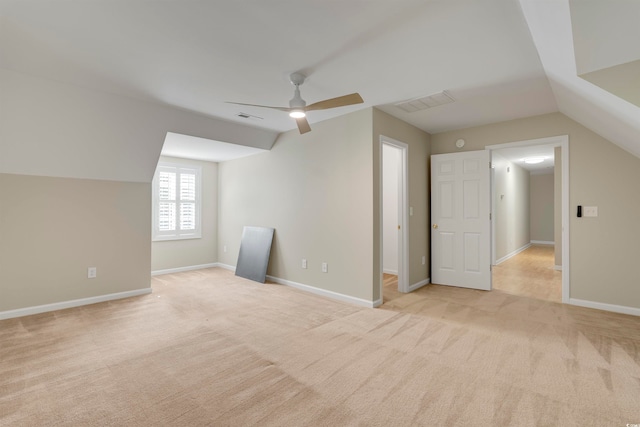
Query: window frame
x,y
178,168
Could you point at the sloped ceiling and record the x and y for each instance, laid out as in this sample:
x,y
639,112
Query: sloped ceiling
x,y
607,45
197,55
497,62
553,26
191,147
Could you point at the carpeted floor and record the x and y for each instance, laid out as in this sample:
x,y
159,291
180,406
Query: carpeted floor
x,y
208,348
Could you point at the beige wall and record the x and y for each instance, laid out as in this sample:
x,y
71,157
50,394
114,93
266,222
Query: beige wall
x,y
603,250
620,80
53,129
53,229
169,254
316,191
511,204
541,196
418,159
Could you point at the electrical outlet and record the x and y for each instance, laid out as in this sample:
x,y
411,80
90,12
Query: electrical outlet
x,y
92,272
325,267
589,211
304,263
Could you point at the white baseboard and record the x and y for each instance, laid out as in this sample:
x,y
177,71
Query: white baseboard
x,y
181,269
377,303
419,284
325,293
543,242
312,289
27,311
394,272
607,307
512,254
226,266
557,267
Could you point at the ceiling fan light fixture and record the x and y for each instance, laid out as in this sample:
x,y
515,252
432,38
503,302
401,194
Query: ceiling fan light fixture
x,y
297,114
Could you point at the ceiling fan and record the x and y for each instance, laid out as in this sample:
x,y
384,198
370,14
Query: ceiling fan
x,y
298,107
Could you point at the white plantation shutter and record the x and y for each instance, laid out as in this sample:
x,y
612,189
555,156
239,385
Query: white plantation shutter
x,y
167,201
187,201
176,202
167,216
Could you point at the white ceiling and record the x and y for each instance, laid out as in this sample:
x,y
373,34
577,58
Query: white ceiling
x,y
518,154
191,147
196,55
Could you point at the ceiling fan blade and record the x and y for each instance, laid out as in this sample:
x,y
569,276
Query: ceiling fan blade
x,y
341,101
303,125
261,106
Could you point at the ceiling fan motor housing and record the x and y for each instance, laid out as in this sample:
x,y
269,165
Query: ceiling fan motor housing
x,y
297,79
297,102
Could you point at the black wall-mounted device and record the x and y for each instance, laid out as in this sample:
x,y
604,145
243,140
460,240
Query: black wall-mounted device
x,y
579,211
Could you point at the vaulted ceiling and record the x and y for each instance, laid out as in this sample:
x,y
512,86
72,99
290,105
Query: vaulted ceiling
x,y
498,59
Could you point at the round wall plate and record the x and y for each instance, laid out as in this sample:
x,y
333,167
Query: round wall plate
x,y
460,143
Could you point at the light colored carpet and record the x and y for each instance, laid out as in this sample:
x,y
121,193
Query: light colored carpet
x,y
208,348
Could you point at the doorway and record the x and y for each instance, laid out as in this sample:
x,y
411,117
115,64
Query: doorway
x,y
524,214
393,218
535,263
457,202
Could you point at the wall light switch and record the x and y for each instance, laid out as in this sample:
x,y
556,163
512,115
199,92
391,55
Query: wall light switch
x,y
304,263
224,248
589,211
410,210
325,267
424,259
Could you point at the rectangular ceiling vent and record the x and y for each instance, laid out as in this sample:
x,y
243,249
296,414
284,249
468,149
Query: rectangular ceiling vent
x,y
422,103
249,116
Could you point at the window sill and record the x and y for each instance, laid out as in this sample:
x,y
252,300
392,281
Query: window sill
x,y
174,238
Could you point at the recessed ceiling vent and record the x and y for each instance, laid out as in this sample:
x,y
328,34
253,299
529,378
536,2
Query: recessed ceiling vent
x,y
418,104
249,116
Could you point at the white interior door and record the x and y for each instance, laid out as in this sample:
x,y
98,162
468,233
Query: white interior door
x,y
460,219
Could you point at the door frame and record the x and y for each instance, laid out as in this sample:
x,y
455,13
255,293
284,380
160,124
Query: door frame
x,y
403,213
561,141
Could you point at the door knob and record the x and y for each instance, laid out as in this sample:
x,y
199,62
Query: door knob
x,y
435,226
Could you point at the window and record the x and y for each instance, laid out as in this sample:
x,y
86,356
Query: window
x,y
176,202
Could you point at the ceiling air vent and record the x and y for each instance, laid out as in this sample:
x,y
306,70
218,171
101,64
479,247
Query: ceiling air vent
x,y
422,103
249,116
